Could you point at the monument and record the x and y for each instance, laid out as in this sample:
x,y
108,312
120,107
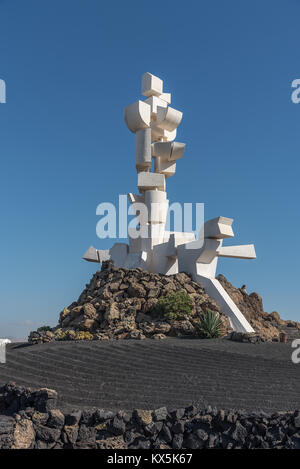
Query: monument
x,y
154,123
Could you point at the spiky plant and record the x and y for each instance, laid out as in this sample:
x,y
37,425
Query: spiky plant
x,y
210,326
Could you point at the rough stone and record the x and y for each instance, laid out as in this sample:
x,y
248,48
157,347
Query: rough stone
x,y
160,414
144,417
24,435
188,428
56,419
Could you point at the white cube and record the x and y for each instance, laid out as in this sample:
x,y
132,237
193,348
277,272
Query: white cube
x,y
151,85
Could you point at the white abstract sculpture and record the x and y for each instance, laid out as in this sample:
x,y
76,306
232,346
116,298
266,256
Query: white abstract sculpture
x,y
5,341
154,124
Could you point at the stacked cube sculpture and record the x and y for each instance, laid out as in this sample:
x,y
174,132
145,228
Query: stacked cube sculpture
x,y
154,123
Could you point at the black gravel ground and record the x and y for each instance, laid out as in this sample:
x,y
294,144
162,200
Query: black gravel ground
x,y
149,374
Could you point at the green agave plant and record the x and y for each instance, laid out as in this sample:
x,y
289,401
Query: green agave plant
x,y
210,326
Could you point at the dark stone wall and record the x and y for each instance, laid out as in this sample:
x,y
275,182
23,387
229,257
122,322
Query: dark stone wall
x,y
30,419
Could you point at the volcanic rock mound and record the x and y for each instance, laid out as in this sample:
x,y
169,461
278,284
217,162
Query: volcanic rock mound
x,y
119,304
268,326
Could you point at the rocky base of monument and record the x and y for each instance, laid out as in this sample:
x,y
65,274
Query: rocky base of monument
x,y
120,304
29,419
268,326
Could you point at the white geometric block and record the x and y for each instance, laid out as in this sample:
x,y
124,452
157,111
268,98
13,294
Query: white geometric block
x,y
162,149
137,116
154,102
161,261
177,151
157,205
103,255
118,254
150,181
135,244
218,228
159,134
96,255
183,237
246,251
143,156
169,136
171,250
164,166
5,341
91,255
166,97
199,257
151,85
208,252
168,118
169,150
136,259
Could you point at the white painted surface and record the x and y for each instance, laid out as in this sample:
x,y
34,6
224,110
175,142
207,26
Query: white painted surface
x,y
137,116
215,290
150,181
246,251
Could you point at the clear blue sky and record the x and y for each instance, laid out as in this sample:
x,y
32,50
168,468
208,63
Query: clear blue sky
x,y
72,65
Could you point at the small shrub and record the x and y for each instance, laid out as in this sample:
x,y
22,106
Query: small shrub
x,y
44,329
210,326
82,335
173,305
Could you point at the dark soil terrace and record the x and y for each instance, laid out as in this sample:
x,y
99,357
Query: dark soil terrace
x,y
149,374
